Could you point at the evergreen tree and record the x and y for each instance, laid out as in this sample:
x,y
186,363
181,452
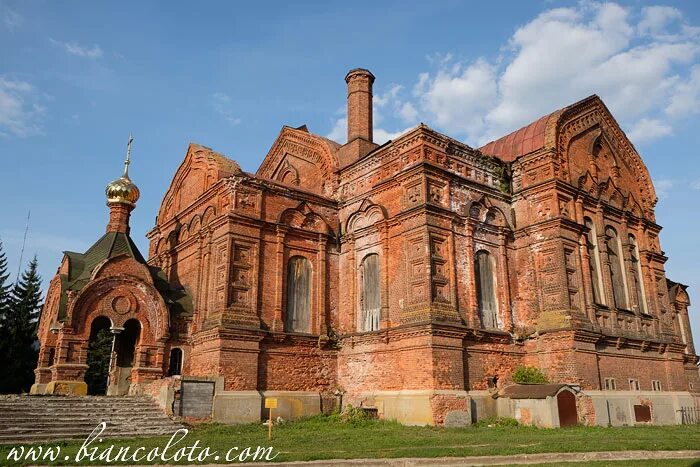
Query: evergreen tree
x,y
4,288
99,353
4,305
19,332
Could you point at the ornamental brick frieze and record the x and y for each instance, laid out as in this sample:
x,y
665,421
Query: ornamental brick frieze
x,y
467,164
227,334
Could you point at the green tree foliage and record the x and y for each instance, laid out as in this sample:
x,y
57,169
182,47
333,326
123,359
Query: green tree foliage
x,y
529,375
18,332
4,289
99,352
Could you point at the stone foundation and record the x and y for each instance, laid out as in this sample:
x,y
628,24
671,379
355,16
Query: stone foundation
x,y
421,407
616,408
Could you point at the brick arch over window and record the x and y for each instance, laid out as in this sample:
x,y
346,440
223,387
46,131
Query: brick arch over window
x,y
484,211
485,274
208,216
303,218
288,174
298,312
368,215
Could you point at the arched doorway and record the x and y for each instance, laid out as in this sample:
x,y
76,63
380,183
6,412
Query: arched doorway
x,y
125,349
566,405
98,357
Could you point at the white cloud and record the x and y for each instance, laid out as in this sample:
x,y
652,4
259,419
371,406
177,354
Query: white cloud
x,y
408,112
20,108
382,100
10,18
646,130
222,106
566,54
339,132
663,187
695,185
686,99
641,62
73,48
458,97
656,20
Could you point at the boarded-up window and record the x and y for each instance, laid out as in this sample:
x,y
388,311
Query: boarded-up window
x,y
637,276
594,262
485,270
298,295
371,293
615,261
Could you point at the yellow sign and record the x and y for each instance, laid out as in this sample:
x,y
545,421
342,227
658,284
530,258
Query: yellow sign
x,y
271,403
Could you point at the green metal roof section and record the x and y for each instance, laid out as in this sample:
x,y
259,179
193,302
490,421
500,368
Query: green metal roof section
x,y
111,245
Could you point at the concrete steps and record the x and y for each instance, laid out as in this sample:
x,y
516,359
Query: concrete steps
x,y
39,419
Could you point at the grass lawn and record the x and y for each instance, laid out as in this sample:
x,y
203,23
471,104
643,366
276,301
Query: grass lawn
x,y
328,438
648,463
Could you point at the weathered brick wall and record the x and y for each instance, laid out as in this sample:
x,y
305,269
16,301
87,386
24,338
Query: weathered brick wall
x,y
484,360
298,366
644,367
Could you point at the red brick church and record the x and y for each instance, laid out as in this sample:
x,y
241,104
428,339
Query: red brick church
x,y
410,277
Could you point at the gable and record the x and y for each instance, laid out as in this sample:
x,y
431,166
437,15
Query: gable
x,y
302,160
593,146
201,168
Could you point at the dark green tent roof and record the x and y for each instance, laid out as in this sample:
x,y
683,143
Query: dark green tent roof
x,y
110,245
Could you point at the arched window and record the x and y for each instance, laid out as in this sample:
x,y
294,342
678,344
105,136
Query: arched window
x,y
617,269
298,295
175,367
485,272
371,293
637,276
594,261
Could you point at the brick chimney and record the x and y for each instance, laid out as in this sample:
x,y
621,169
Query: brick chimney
x,y
360,142
359,104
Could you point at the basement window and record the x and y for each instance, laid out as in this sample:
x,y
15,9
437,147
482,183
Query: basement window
x,y
655,385
610,384
634,384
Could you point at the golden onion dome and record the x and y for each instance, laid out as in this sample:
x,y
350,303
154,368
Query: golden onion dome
x,y
123,190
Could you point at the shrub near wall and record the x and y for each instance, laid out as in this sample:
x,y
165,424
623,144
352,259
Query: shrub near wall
x,y
529,375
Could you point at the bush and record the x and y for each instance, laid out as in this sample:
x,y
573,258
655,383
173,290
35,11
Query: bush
x,y
354,415
529,375
493,422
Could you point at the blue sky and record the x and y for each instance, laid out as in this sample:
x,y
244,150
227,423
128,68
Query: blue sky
x,y
77,77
